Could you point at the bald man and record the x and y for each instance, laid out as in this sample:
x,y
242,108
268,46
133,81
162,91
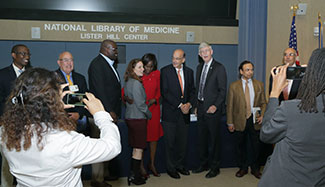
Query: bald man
x,y
289,57
104,82
68,75
178,94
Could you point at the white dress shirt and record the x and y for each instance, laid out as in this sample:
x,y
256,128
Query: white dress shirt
x,y
59,163
17,70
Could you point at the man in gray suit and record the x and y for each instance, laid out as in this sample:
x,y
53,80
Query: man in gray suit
x,y
211,84
298,128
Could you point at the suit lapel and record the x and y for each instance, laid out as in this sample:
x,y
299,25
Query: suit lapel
x,y
12,73
255,86
210,70
110,68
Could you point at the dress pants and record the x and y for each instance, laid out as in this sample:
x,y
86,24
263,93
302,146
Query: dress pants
x,y
175,137
252,136
102,169
209,138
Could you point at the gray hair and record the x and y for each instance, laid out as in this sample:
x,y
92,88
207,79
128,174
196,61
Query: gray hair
x,y
203,45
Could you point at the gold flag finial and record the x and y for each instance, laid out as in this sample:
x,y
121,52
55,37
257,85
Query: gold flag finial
x,y
294,8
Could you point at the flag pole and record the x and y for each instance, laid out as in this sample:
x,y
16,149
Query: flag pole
x,y
293,33
320,31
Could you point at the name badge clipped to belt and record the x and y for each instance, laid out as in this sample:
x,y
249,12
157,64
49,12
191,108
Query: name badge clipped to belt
x,y
73,88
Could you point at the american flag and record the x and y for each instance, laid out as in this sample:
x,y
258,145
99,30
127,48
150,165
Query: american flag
x,y
293,37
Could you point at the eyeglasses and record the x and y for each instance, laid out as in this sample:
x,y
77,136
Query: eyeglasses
x,y
24,54
289,54
66,59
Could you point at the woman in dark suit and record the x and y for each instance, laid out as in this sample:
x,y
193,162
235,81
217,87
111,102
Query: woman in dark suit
x,y
297,127
136,116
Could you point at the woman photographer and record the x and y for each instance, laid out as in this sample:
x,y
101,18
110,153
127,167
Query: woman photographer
x,y
298,129
38,139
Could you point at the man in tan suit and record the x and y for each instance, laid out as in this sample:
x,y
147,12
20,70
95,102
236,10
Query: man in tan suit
x,y
246,104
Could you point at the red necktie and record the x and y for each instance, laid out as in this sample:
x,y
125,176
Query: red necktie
x,y
286,92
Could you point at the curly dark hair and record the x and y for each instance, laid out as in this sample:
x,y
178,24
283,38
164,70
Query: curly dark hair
x,y
34,107
313,82
129,72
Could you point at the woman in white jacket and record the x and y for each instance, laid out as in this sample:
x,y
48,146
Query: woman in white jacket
x,y
38,139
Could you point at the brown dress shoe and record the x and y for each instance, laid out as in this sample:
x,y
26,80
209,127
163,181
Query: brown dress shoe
x,y
257,174
241,173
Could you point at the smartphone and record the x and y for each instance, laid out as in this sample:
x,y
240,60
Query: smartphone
x,y
296,73
75,99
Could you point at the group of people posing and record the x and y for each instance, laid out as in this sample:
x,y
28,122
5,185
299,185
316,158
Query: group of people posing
x,y
41,147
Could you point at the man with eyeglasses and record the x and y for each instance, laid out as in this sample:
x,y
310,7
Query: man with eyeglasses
x,y
291,91
211,86
178,96
77,84
105,84
21,59
246,104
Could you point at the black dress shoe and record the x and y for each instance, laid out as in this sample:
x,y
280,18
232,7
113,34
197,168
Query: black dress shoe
x,y
183,171
99,184
241,173
257,174
200,169
173,174
212,173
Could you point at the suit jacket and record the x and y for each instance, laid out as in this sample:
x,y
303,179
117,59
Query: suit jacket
x,y
7,79
298,157
236,103
293,91
138,109
172,94
104,84
215,87
79,80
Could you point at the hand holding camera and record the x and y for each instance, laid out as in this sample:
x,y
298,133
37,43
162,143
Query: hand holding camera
x,y
279,80
93,104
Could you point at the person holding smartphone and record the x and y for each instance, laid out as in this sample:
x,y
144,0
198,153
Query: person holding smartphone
x,y
39,140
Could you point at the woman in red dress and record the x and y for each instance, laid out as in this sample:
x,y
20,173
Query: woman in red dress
x,y
151,84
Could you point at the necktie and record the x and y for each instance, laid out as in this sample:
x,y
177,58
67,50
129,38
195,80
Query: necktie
x,y
202,82
285,93
180,80
248,101
69,80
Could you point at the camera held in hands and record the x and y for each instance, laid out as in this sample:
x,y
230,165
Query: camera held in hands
x,y
75,99
294,73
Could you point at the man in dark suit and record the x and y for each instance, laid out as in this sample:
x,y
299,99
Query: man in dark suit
x,y
104,83
20,56
178,94
211,84
77,84
291,91
246,104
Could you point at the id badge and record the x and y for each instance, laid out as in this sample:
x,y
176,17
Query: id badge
x,y
74,88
